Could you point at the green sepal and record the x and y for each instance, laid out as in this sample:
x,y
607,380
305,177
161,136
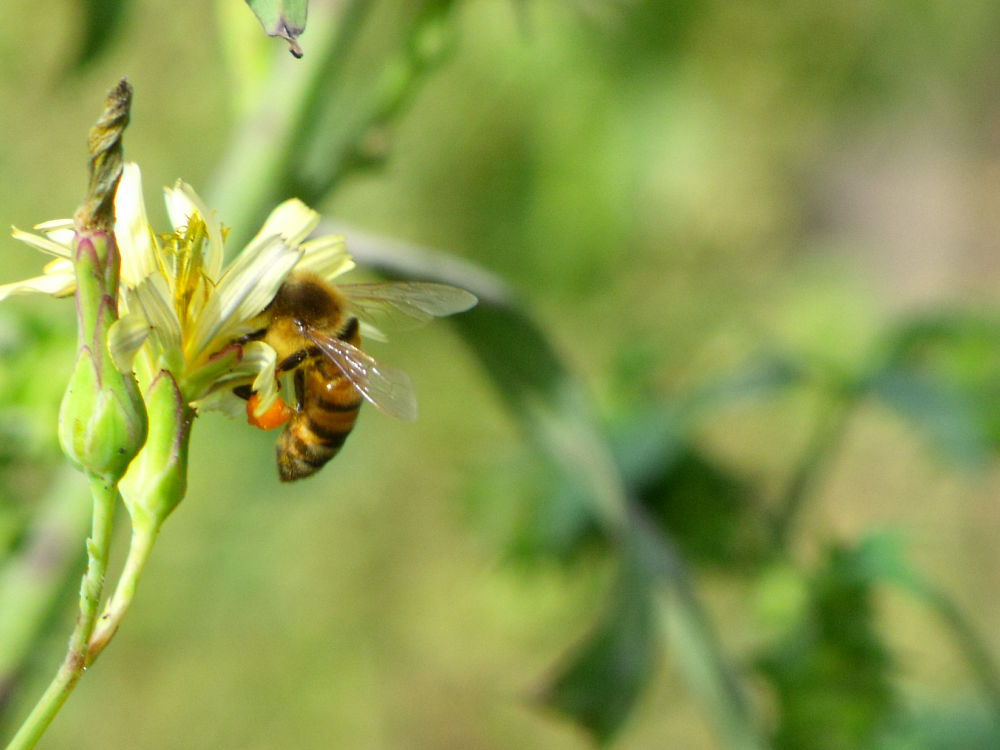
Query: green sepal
x,y
157,480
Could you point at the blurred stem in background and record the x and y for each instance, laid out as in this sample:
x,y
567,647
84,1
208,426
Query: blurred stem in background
x,y
311,121
31,582
828,433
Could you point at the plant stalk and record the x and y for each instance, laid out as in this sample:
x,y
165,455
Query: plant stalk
x,y
105,495
138,554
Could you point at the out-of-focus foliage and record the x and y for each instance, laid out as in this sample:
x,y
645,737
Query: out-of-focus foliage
x,y
830,669
756,317
99,22
619,656
35,351
960,352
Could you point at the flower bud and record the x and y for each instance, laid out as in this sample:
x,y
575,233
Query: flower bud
x,y
102,420
157,480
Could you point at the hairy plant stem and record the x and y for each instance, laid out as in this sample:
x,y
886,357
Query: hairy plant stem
x,y
105,496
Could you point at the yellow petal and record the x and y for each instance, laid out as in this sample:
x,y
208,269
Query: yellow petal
x,y
293,220
244,290
153,299
44,244
55,284
125,337
136,241
326,257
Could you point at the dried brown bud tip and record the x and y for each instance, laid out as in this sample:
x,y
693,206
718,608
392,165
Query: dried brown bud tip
x,y
105,145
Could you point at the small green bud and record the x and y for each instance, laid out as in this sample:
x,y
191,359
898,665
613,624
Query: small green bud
x,y
102,420
100,429
157,480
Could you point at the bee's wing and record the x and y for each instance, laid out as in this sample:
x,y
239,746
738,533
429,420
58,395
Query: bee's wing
x,y
405,304
386,388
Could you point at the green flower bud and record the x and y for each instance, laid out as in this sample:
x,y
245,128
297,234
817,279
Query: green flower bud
x,y
157,480
102,420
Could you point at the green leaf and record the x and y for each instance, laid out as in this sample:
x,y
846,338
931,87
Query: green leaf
x,y
284,18
600,683
946,415
527,372
829,670
767,375
959,350
712,514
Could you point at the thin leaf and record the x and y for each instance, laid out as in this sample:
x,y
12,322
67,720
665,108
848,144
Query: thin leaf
x,y
600,683
526,370
283,18
945,414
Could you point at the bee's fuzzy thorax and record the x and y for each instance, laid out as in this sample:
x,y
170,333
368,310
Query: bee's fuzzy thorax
x,y
309,299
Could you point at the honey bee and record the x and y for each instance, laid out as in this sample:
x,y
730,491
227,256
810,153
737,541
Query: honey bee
x,y
315,328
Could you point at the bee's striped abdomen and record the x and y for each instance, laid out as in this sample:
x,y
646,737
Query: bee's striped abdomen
x,y
327,413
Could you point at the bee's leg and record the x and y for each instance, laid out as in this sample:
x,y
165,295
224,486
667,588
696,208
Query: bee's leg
x,y
300,390
252,336
292,361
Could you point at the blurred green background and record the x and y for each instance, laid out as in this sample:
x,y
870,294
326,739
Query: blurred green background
x,y
762,238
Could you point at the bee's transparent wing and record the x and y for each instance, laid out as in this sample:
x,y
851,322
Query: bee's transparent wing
x,y
405,304
386,388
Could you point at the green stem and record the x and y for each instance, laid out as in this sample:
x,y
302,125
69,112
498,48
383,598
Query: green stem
x,y
974,648
105,495
139,549
830,429
696,646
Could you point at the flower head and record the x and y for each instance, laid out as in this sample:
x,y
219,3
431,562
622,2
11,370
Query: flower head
x,y
182,306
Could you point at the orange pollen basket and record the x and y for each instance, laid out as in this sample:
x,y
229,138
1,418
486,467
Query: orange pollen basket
x,y
277,414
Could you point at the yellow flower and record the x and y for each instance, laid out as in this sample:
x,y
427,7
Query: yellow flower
x,y
181,305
